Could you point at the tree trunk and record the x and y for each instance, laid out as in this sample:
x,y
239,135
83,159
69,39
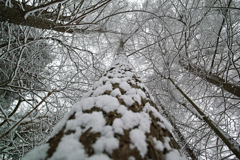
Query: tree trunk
x,y
225,137
16,16
183,143
213,79
116,119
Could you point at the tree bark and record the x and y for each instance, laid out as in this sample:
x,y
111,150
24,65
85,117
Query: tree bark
x,y
16,16
181,138
116,119
229,141
213,79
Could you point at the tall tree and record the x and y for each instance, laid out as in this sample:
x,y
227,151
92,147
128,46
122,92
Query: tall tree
x,y
59,15
116,119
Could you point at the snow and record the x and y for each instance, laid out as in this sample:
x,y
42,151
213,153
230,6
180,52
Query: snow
x,y
97,84
107,131
137,98
99,157
175,155
101,89
62,122
39,152
125,86
42,8
94,120
145,122
131,120
166,143
158,144
116,92
115,80
86,103
127,100
69,149
138,137
117,126
107,103
87,94
141,93
148,108
131,158
131,91
138,122
107,144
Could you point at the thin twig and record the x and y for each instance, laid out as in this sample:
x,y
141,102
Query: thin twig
x,y
49,93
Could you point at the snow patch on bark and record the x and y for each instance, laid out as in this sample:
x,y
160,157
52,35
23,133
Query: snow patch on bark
x,y
158,144
118,126
106,144
175,155
69,149
138,137
39,152
94,120
149,108
116,92
127,100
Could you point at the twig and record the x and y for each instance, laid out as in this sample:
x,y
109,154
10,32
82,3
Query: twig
x,y
27,114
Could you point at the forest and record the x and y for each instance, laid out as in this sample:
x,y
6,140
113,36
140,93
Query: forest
x,y
187,53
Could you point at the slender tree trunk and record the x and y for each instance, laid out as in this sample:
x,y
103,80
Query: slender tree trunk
x,y
116,119
227,139
181,138
213,79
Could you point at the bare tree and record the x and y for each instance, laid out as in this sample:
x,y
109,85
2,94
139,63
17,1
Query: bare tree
x,y
59,15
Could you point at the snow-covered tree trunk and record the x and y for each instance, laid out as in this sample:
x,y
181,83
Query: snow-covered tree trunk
x,y
117,119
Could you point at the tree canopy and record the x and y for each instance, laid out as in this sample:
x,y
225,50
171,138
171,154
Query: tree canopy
x,y
51,53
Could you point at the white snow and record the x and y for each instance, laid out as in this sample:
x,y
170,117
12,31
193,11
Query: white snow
x,y
42,8
138,137
87,94
39,152
86,103
145,122
161,124
107,141
131,158
117,126
99,157
127,100
175,155
141,93
107,103
166,143
97,84
137,98
115,80
62,122
158,144
149,108
101,89
107,144
107,131
125,86
94,120
116,92
69,149
131,91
